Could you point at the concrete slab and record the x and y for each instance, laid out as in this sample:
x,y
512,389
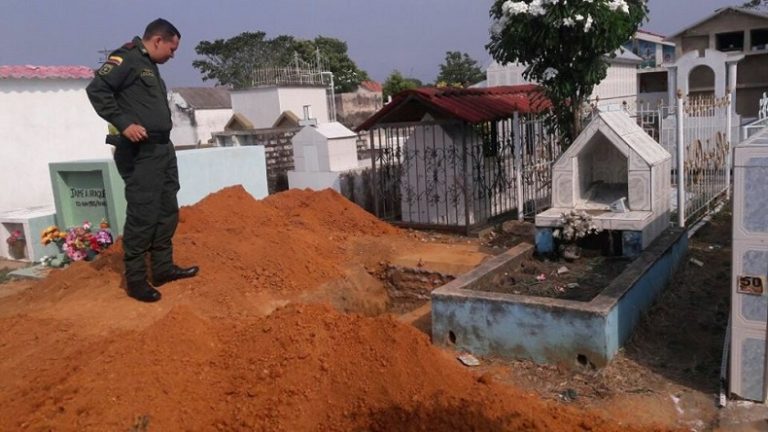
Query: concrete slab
x,y
32,272
743,416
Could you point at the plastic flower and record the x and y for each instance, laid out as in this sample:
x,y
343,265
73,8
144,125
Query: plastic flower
x,y
15,236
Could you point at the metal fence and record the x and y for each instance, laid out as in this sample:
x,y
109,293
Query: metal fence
x,y
705,153
455,175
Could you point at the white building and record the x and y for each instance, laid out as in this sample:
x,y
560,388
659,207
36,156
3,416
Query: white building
x,y
45,116
197,112
619,86
263,105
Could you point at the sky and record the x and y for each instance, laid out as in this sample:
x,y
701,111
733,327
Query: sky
x,y
411,36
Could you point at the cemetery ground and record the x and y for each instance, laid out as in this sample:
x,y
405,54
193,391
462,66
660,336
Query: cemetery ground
x,y
309,314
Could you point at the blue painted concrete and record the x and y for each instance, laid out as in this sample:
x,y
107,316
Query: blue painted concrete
x,y
545,241
631,243
549,330
204,171
624,316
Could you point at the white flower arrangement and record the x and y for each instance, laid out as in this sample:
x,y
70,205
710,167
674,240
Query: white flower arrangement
x,y
542,7
575,225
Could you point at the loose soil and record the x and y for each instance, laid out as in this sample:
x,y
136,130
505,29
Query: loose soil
x,y
579,280
285,329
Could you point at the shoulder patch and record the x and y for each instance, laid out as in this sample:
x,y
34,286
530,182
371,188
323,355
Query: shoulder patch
x,y
115,60
105,69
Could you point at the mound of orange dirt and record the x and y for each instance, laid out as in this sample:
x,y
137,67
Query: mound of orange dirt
x,y
77,355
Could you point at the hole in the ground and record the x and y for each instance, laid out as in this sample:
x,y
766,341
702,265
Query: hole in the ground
x,y
410,288
452,337
582,359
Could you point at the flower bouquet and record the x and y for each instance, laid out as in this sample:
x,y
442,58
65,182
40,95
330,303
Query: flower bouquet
x,y
16,244
574,225
76,243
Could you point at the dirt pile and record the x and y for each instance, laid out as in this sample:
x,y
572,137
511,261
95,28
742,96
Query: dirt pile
x,y
300,368
77,354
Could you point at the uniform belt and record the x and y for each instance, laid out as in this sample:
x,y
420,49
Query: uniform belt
x,y
158,138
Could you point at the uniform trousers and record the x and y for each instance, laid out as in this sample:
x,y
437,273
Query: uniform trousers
x,y
151,176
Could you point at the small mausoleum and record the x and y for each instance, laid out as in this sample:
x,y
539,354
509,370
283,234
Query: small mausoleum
x,y
458,159
321,154
619,175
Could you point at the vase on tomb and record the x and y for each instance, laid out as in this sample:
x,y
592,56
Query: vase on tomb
x,y
17,249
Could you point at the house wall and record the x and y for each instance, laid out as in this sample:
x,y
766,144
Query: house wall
x,y
752,80
511,74
352,109
44,121
620,85
210,121
259,105
182,116
294,99
727,22
263,105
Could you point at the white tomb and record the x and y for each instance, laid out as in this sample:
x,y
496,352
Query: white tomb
x,y
613,160
321,154
30,222
749,303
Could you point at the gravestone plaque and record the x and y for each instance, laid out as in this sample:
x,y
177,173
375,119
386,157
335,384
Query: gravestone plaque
x,y
89,190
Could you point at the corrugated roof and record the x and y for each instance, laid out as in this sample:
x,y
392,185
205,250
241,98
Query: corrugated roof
x,y
205,97
473,105
45,72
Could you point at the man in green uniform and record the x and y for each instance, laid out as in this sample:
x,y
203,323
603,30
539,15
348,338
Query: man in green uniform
x,y
128,92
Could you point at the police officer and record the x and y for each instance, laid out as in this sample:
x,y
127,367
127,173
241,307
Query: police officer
x,y
128,92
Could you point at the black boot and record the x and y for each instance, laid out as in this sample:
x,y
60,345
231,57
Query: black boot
x,y
142,291
176,273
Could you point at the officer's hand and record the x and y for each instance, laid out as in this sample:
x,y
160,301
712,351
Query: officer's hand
x,y
135,133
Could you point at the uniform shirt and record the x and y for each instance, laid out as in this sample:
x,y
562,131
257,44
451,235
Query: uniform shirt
x,y
128,89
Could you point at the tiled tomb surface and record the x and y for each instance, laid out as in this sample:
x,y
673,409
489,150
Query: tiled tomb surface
x,y
750,259
613,158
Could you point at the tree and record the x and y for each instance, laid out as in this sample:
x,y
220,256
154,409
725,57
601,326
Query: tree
x,y
232,62
459,69
564,46
396,82
334,58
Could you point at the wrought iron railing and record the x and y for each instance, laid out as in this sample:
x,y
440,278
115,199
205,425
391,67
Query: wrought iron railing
x,y
451,174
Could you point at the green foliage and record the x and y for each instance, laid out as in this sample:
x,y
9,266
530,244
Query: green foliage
x,y
460,70
396,82
563,45
231,62
333,54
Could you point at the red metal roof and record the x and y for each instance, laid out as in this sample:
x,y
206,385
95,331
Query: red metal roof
x,y
473,105
45,72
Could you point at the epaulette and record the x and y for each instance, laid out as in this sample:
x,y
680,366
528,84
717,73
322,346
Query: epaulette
x,y
129,45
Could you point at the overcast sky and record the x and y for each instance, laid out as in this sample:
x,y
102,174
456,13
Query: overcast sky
x,y
408,35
